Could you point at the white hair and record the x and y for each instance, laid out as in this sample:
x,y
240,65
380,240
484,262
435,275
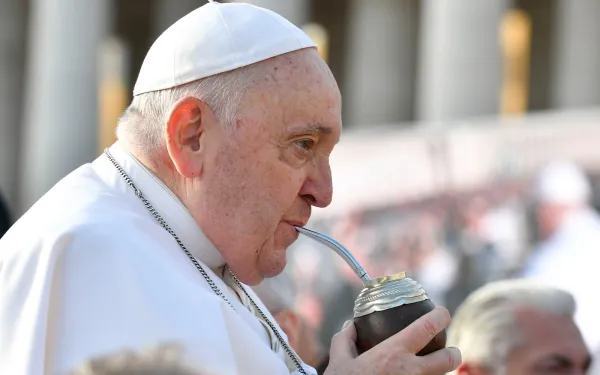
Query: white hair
x,y
484,327
143,123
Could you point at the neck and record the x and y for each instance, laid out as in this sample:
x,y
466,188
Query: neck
x,y
160,165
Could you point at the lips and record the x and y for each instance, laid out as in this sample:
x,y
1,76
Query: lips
x,y
301,217
297,223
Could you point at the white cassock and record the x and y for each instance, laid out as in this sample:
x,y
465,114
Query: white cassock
x,y
88,271
569,260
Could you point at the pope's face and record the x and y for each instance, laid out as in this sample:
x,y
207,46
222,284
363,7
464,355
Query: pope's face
x,y
267,172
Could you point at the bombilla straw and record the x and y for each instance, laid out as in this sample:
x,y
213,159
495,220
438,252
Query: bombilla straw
x,y
339,249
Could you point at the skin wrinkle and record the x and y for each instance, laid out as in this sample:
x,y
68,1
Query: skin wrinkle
x,y
242,184
548,337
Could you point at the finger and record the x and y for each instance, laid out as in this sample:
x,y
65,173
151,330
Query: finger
x,y
343,345
441,362
418,334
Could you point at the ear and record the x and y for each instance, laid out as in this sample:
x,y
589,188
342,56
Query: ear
x,y
291,325
186,133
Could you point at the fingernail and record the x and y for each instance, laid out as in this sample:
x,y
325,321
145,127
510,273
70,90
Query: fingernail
x,y
346,324
456,356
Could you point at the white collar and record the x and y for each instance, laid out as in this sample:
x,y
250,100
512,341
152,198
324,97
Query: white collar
x,y
168,205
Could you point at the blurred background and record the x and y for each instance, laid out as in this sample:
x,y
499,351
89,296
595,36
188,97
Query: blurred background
x,y
450,109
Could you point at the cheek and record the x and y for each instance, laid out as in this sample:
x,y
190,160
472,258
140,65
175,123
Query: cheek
x,y
255,188
289,205
280,181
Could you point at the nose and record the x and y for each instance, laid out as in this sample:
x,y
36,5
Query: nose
x,y
318,187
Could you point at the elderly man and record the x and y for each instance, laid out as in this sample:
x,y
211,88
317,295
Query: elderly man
x,y
223,151
569,252
518,327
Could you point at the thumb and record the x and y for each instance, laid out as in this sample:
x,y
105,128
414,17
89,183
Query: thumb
x,y
343,343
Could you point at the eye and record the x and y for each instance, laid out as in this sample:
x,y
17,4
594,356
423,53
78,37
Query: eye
x,y
306,144
554,368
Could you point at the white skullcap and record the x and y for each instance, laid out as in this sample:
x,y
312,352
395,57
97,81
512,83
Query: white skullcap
x,y
216,38
562,183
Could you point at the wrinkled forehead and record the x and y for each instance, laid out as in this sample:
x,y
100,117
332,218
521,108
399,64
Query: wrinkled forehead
x,y
300,72
302,64
295,89
548,338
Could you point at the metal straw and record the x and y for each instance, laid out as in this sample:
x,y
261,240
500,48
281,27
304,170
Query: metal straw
x,y
339,249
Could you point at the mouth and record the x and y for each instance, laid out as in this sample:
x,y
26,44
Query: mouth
x,y
296,223
292,224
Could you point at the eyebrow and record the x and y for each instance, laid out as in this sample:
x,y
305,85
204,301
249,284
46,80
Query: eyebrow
x,y
310,128
566,362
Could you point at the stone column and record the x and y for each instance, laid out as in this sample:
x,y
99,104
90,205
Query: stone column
x,y
12,54
114,61
380,63
460,60
295,11
61,116
576,73
167,12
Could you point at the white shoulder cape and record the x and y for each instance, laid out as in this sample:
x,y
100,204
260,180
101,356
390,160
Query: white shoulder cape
x,y
87,271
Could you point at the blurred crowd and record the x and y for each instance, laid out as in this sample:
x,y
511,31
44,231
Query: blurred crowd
x,y
451,244
454,244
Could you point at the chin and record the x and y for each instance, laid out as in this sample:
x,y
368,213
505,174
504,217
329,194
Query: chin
x,y
272,261
272,257
273,272
274,264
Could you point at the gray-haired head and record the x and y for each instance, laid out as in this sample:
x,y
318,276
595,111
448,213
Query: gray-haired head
x,y
142,126
211,54
163,360
485,326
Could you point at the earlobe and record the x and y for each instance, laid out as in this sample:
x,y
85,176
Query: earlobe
x,y
184,134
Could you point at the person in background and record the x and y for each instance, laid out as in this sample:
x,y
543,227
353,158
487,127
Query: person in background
x,y
278,296
163,360
5,221
569,252
518,327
